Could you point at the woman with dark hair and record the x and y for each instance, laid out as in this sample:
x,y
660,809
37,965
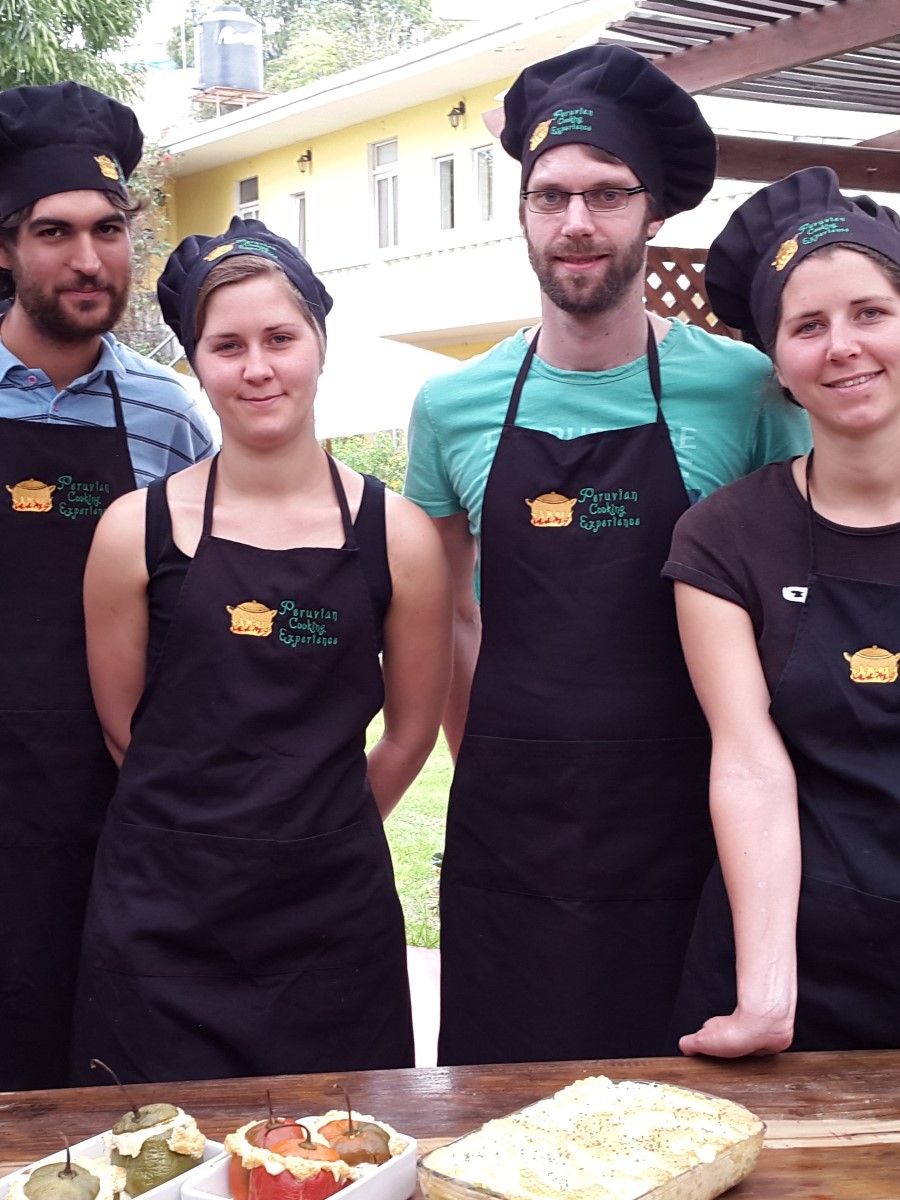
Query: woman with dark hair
x,y
246,621
788,593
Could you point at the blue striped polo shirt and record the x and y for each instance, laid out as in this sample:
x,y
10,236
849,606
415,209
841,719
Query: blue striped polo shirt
x,y
166,430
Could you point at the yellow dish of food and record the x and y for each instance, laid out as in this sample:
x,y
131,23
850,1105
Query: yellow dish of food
x,y
599,1140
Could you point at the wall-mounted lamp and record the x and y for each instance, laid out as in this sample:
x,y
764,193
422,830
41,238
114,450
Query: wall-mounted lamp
x,y
457,111
304,161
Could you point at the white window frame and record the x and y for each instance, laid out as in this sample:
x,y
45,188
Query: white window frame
x,y
445,173
483,157
386,191
249,208
300,221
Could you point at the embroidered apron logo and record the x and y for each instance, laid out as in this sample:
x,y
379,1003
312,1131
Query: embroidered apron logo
x,y
301,626
607,509
32,495
251,618
81,497
873,665
551,510
602,509
307,626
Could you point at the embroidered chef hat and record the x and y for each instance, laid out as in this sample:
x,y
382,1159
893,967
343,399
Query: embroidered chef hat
x,y
615,99
752,258
193,259
64,138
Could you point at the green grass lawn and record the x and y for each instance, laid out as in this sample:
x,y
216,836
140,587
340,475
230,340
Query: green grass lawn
x,y
415,832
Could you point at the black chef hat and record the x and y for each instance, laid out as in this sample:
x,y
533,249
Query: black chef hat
x,y
613,98
193,259
752,258
64,138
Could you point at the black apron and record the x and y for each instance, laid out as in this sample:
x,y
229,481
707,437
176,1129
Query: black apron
x,y
243,918
837,706
56,775
578,832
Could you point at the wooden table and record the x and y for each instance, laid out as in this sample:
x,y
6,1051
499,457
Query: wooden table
x,y
833,1119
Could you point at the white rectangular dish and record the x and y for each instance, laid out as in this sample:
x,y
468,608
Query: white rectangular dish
x,y
98,1147
393,1180
600,1140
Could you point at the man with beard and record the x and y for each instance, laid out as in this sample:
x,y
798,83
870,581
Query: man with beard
x,y
82,420
578,835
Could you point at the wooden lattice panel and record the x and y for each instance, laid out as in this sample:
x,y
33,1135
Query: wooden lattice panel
x,y
675,288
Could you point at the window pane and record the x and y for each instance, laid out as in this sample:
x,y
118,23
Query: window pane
x,y
395,186
484,171
385,152
381,205
445,183
248,190
300,226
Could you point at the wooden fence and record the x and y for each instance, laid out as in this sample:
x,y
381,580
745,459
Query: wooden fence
x,y
675,288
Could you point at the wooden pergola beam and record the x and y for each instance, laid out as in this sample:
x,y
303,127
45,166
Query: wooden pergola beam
x,y
862,168
887,141
780,45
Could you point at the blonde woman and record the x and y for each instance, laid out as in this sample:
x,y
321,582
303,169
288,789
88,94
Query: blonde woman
x,y
245,623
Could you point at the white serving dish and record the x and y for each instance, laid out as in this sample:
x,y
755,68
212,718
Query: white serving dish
x,y
393,1180
98,1147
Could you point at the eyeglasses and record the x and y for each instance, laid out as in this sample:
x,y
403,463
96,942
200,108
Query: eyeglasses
x,y
554,200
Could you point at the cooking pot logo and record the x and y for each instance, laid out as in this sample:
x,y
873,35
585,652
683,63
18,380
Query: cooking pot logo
x,y
551,510
32,495
786,252
538,134
252,618
873,665
218,251
108,168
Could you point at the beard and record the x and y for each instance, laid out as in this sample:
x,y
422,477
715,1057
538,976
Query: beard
x,y
584,295
84,320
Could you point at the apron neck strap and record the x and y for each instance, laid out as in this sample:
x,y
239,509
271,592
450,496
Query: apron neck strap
x,y
810,513
210,496
116,399
349,532
652,370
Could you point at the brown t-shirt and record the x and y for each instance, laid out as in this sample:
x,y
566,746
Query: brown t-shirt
x,y
749,543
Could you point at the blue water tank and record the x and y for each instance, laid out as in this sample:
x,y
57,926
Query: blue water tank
x,y
230,49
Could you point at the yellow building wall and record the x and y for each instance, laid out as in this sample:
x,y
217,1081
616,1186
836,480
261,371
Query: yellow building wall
x,y
340,216
435,282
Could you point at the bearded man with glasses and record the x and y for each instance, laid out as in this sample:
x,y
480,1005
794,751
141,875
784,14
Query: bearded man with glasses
x,y
578,834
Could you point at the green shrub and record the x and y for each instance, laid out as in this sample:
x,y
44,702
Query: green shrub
x,y
380,454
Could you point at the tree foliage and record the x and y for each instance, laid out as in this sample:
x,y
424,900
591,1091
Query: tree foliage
x,y
45,41
327,36
141,325
380,454
305,40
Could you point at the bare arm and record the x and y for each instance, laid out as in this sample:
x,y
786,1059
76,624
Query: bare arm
x,y
753,800
116,618
460,550
417,644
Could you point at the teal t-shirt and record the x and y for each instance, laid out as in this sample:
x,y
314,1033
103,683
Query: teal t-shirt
x,y
724,410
